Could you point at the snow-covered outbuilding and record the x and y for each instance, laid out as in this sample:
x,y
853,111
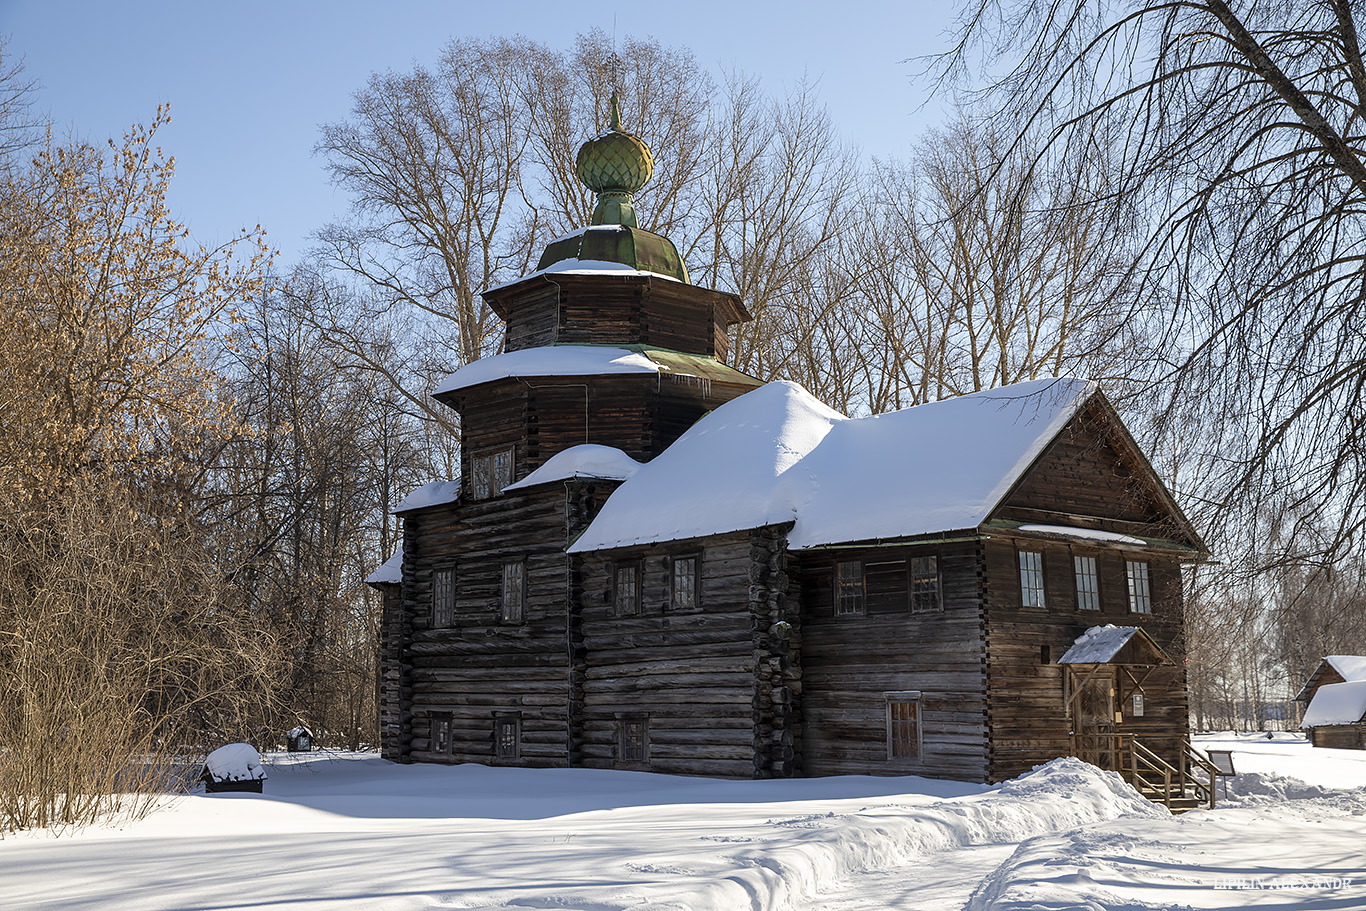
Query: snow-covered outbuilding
x,y
1335,702
657,562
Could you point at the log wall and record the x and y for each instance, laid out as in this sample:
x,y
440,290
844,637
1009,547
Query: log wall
x,y
849,662
1339,736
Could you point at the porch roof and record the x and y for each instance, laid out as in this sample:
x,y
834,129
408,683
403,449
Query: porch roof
x,y
1112,644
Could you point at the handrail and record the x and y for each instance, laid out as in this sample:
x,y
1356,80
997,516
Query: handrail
x,y
1145,769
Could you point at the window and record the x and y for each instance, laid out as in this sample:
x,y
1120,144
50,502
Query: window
x,y
492,472
1088,588
633,739
507,737
1031,578
441,733
514,592
683,583
848,588
626,593
1140,597
443,598
903,725
925,589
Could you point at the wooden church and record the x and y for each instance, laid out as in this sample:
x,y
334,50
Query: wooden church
x,y
653,561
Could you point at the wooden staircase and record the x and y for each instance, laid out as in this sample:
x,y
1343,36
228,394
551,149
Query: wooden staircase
x,y
1188,785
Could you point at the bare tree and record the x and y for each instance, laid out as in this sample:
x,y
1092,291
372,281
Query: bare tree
x,y
1240,131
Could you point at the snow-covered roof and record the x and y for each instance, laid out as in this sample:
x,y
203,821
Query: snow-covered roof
x,y
551,360
1098,645
588,460
235,762
1336,703
1351,667
575,266
1091,534
391,570
778,455
433,493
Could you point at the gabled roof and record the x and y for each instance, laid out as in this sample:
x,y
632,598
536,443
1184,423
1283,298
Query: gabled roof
x,y
587,460
1336,703
778,455
1348,667
1112,644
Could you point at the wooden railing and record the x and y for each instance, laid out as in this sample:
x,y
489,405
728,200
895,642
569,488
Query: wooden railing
x,y
1150,774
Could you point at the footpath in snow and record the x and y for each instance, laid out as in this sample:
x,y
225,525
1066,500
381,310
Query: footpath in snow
x,y
349,832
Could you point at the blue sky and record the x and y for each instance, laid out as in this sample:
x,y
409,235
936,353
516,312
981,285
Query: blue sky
x,y
249,82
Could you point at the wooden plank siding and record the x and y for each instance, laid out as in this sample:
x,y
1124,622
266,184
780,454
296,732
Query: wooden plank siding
x,y
849,662
616,310
716,682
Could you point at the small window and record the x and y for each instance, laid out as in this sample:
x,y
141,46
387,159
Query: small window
x,y
626,593
443,598
1137,705
1088,586
903,725
507,737
683,583
925,588
1031,578
849,598
633,740
1140,596
441,733
492,472
514,592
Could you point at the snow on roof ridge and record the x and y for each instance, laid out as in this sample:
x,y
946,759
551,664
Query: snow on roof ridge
x,y
1351,667
549,360
391,570
1094,534
575,266
1336,703
587,460
942,466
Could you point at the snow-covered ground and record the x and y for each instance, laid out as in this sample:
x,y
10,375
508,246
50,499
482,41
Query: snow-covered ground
x,y
350,831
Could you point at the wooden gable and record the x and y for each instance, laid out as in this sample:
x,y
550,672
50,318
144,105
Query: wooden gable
x,y
1094,476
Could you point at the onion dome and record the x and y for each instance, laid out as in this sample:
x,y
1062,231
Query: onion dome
x,y
615,165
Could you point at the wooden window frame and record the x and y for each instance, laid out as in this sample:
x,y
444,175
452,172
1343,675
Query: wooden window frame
x,y
905,737
443,597
503,721
696,574
1139,577
851,594
513,609
920,604
435,743
631,609
1088,597
486,478
1028,572
626,724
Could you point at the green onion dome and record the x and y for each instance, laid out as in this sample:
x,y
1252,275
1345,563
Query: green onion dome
x,y
615,165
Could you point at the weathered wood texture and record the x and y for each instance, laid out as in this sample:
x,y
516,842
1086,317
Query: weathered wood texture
x,y
483,665
617,310
850,662
1028,717
715,682
393,635
1339,736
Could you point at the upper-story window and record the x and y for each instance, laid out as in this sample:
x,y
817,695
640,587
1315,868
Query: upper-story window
x,y
1031,578
926,592
1088,583
514,592
1140,594
683,583
626,589
849,590
490,473
443,597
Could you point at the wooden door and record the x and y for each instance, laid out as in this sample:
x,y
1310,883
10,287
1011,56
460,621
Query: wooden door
x,y
1091,702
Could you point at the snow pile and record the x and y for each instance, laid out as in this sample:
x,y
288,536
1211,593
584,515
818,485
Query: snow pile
x,y
235,762
1336,703
588,460
433,493
778,455
1098,644
390,571
551,360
